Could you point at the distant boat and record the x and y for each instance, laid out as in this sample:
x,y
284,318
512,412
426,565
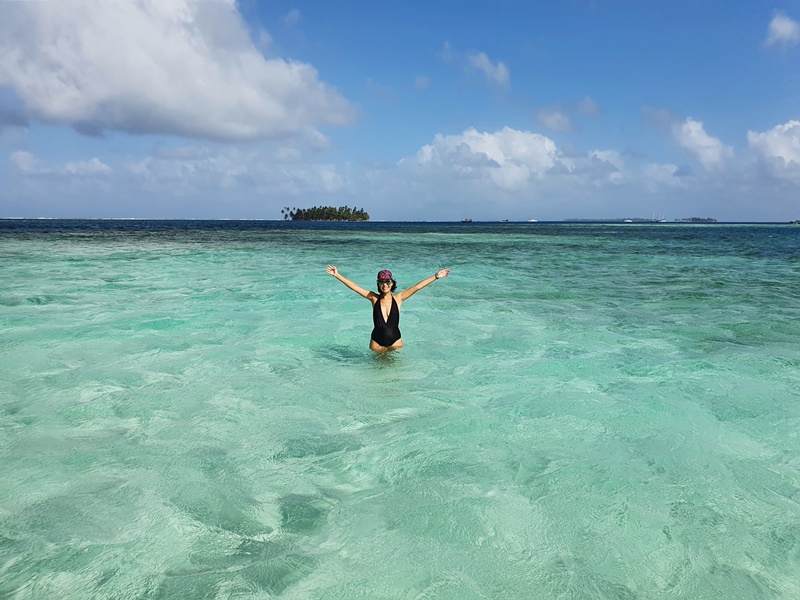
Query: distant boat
x,y
466,220
628,221
532,221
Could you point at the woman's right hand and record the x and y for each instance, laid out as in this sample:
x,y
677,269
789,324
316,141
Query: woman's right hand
x,y
331,270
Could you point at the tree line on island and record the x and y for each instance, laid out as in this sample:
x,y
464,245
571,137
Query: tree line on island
x,y
325,213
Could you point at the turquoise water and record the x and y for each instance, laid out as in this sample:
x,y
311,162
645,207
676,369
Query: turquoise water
x,y
190,410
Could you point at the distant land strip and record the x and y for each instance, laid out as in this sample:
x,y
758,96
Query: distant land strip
x,y
325,213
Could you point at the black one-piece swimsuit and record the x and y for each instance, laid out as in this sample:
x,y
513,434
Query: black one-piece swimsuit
x,y
385,333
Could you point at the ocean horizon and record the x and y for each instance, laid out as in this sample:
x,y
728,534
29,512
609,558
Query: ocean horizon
x,y
637,221
582,409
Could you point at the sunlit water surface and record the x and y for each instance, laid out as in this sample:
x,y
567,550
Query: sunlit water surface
x,y
190,410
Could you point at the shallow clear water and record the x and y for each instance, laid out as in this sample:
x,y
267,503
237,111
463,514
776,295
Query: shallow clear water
x,y
190,410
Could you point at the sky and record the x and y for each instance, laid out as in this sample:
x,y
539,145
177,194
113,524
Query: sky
x,y
420,111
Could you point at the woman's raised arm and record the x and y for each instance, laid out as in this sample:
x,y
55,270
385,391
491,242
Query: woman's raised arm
x,y
331,270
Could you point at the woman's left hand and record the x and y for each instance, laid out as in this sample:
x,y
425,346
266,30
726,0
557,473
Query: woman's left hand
x,y
442,273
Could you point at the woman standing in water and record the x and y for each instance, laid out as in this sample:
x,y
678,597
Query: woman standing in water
x,y
386,306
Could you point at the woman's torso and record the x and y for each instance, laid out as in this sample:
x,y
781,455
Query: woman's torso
x,y
386,321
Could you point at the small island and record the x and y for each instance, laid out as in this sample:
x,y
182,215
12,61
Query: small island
x,y
696,220
325,213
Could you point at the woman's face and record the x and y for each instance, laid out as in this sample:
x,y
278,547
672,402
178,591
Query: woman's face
x,y
384,285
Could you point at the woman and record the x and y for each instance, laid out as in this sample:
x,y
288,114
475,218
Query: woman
x,y
386,306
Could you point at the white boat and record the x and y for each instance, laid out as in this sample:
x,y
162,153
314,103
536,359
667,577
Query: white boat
x,y
532,221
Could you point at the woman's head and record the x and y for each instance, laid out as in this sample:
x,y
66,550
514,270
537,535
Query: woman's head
x,y
385,278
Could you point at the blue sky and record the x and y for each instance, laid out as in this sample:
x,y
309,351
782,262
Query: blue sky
x,y
413,111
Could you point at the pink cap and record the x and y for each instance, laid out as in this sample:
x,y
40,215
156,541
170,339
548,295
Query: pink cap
x,y
385,275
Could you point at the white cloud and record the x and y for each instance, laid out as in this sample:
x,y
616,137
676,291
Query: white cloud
x,y
782,31
505,173
780,149
516,162
506,159
87,167
178,67
710,151
519,172
553,118
495,73
782,141
28,164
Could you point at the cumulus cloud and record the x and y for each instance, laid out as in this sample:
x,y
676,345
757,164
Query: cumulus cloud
x,y
519,167
516,174
710,151
507,159
519,163
496,73
782,141
782,31
177,67
779,148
